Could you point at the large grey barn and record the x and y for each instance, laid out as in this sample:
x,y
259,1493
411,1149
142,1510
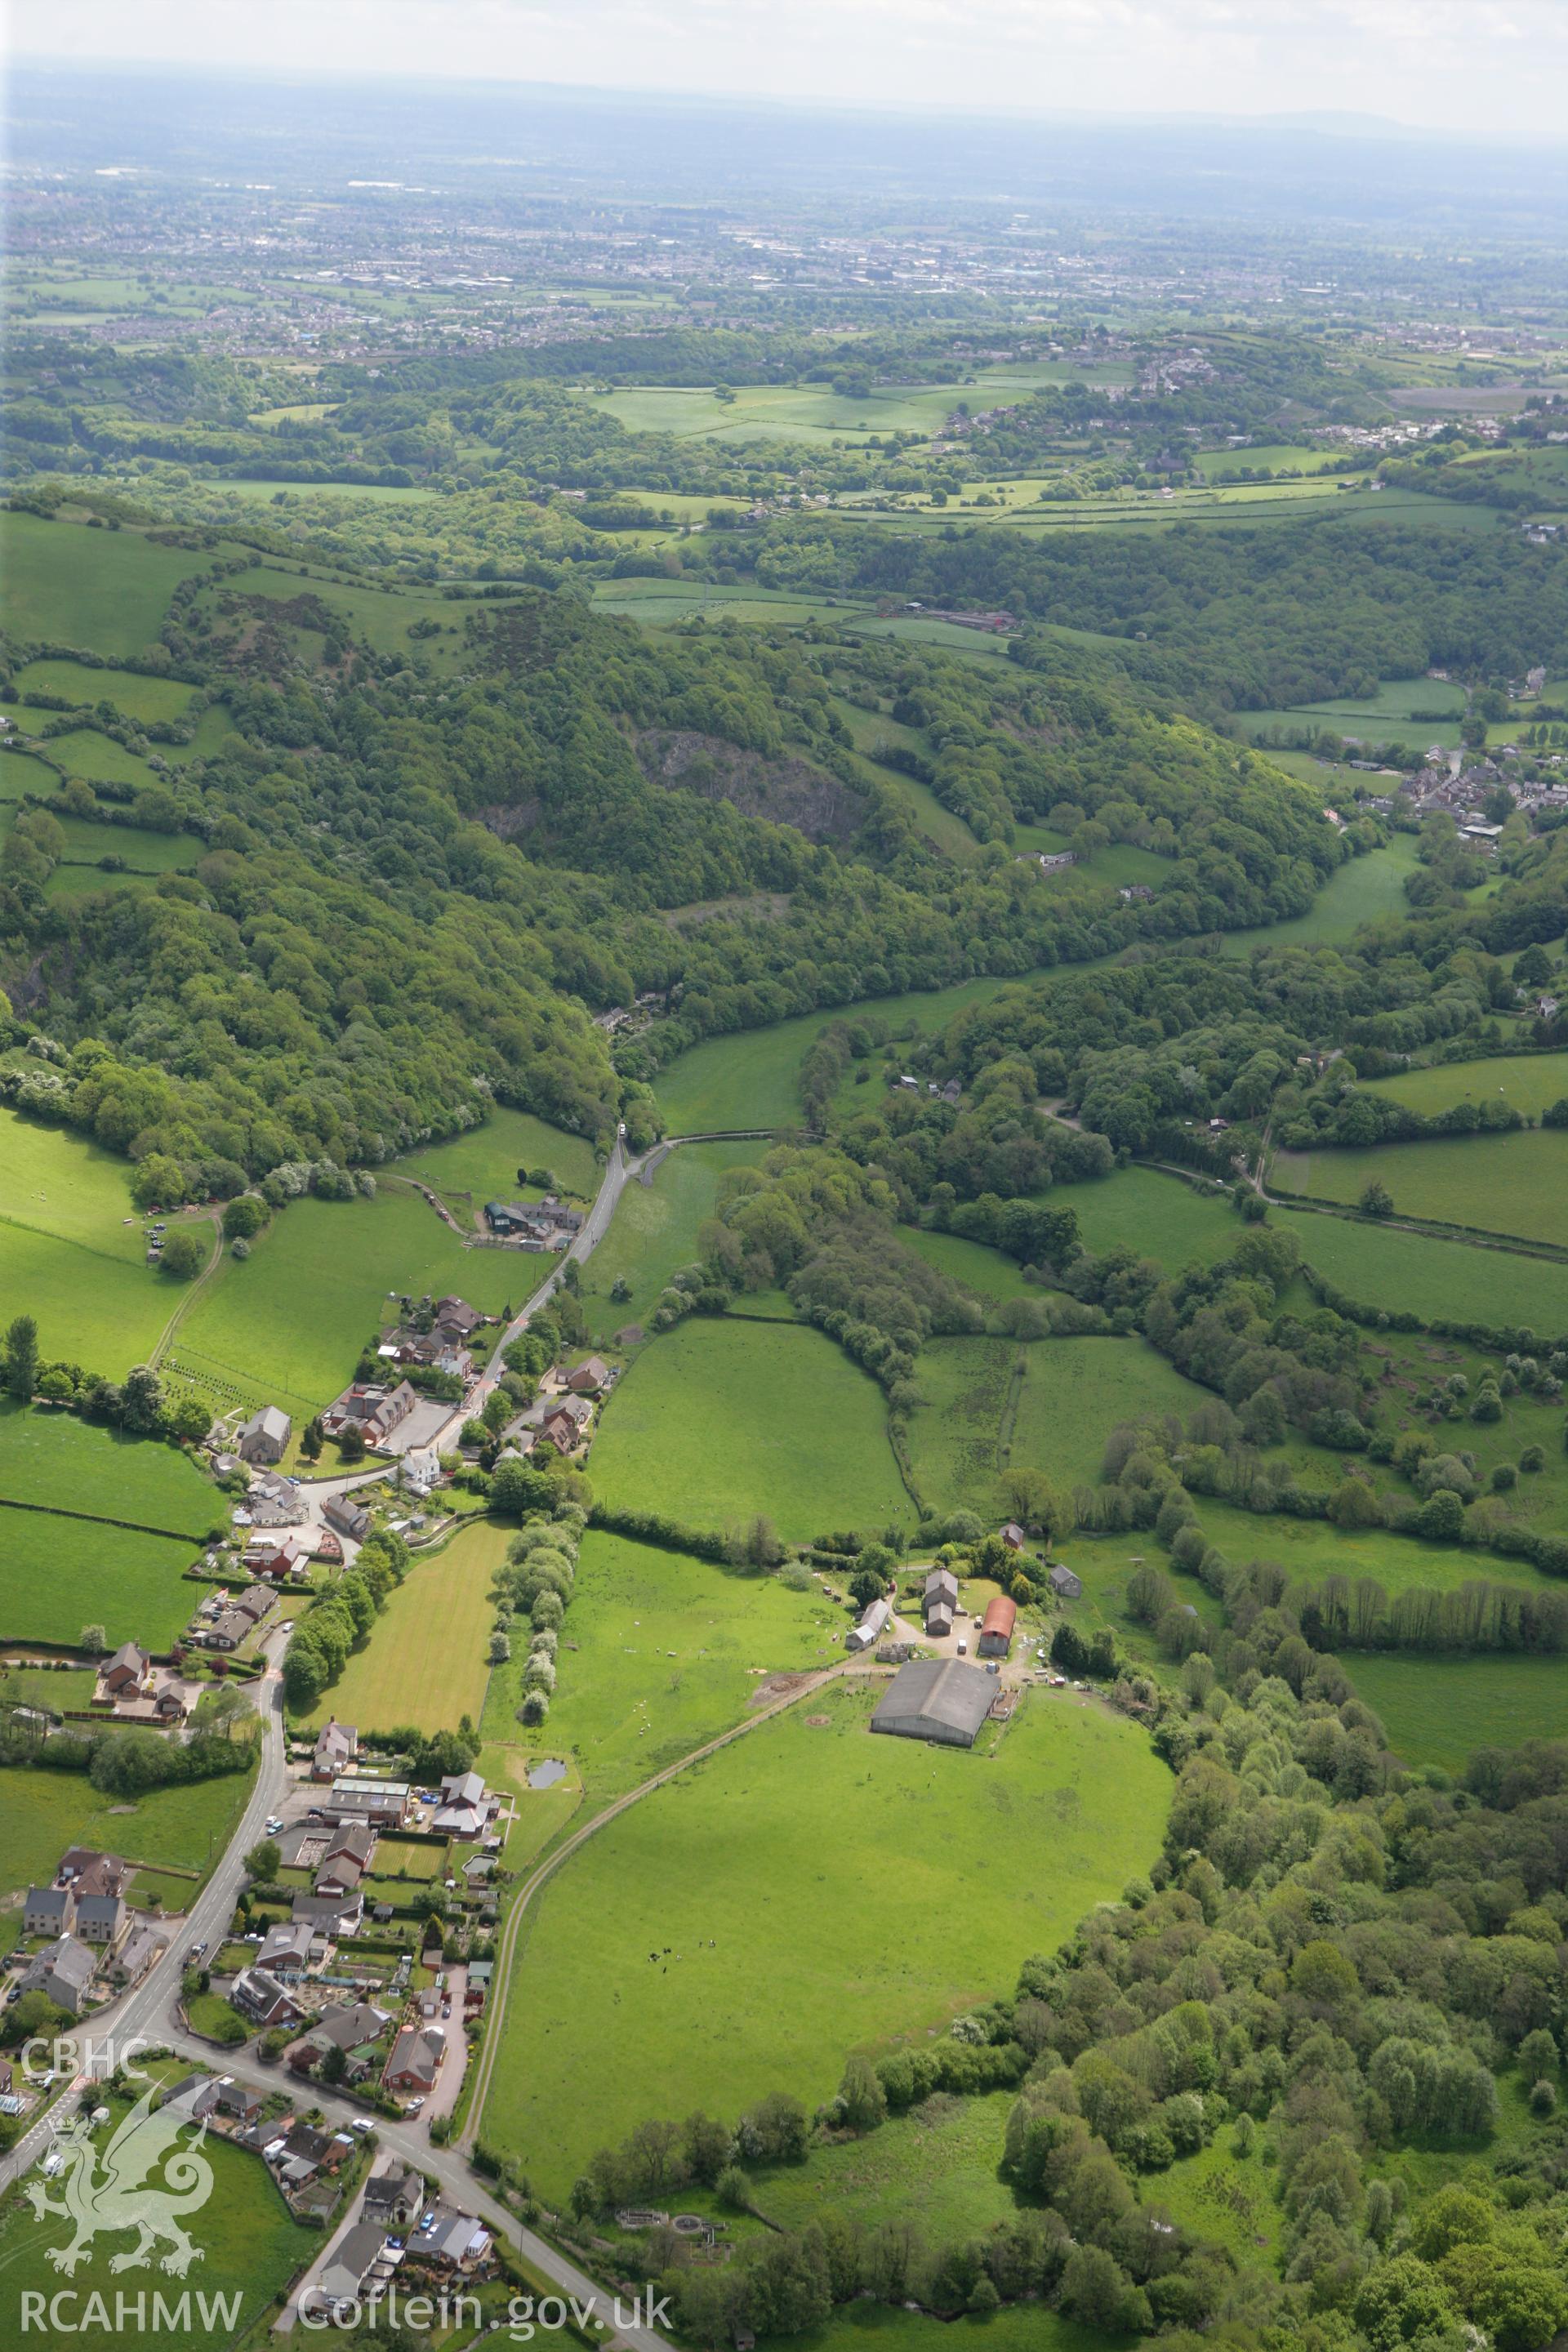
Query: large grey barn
x,y
936,1698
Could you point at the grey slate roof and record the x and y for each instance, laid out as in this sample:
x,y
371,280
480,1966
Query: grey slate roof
x,y
936,1698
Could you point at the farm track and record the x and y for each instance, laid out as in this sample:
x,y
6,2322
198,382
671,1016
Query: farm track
x,y
544,1870
192,1291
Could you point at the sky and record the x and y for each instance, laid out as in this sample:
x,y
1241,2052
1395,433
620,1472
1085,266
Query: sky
x,y
1487,67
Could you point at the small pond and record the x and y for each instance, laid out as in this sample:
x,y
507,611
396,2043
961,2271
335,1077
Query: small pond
x,y
545,1775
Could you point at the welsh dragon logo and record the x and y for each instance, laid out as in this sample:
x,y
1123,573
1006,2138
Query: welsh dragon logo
x,y
120,2196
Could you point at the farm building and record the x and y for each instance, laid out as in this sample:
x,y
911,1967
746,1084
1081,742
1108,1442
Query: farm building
x,y
936,1698
996,1633
861,1636
1064,1583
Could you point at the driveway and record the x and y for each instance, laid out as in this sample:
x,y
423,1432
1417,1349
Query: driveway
x,y
449,2081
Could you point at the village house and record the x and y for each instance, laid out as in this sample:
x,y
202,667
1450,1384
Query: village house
x,y
337,1744
331,1918
349,1517
48,1911
1064,1583
264,1438
103,1920
353,2027
466,1806
394,2198
284,1952
587,1378
1013,1536
415,2061
457,2242
346,1859
87,1872
64,1970
348,2266
373,1411
193,2098
282,1559
258,1994
124,1675
238,2103
136,1955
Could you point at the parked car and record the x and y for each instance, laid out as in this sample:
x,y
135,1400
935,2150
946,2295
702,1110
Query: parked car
x,y
361,2123
274,1823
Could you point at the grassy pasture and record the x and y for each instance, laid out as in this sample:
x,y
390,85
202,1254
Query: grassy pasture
x,y
623,1706
941,2158
286,1324
826,1926
1155,1214
423,1660
51,1458
1360,891
1494,1184
99,1310
56,1181
1430,1277
107,590
1439,1710
654,1232
1529,1083
250,2244
981,1269
723,1418
98,759
980,1417
57,1575
139,698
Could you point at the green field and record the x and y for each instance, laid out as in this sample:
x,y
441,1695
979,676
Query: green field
x,y
980,1418
251,2247
50,1457
101,760
827,1924
668,1653
57,1575
980,1268
139,698
1528,1083
71,1250
723,1419
654,1232
106,591
1429,1277
1157,1215
424,1661
288,1324
942,2160
1361,891
1493,1183
1439,1710
58,1182
483,1165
